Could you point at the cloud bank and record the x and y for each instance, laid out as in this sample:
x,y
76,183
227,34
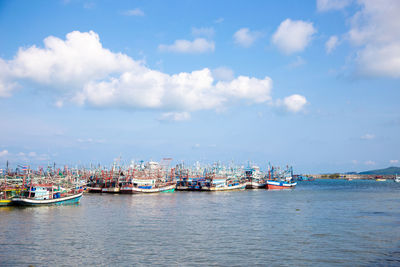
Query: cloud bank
x,y
80,70
375,31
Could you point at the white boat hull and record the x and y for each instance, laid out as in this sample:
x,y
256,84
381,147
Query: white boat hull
x,y
255,185
111,190
136,190
225,188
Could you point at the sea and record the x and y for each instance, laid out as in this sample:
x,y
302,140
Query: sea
x,y
319,223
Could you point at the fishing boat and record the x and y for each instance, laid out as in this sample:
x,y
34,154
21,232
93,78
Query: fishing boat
x,y
189,179
147,186
280,179
44,195
6,195
379,178
148,178
190,184
397,179
280,184
223,184
254,178
168,188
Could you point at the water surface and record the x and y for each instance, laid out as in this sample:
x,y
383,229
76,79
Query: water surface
x,y
323,223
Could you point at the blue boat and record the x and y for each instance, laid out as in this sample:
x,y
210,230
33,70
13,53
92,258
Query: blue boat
x,y
39,196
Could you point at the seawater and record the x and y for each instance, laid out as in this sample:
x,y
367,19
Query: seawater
x,y
320,223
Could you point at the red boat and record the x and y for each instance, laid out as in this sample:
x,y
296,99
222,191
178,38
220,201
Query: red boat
x,y
280,184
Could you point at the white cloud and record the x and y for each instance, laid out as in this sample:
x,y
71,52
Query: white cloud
x,y
198,45
32,154
69,64
297,63
90,141
294,103
375,31
394,161
206,32
183,91
134,12
331,44
3,153
293,35
326,5
59,103
244,37
175,116
79,70
223,74
368,136
369,162
6,83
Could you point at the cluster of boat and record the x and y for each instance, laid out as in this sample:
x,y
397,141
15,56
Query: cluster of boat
x,y
67,186
152,178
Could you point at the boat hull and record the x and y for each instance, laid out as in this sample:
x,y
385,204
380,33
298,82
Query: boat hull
x,y
5,202
136,190
19,201
94,189
280,185
255,185
110,190
225,188
182,188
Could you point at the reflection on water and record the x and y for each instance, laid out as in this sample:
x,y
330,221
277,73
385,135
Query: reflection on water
x,y
320,222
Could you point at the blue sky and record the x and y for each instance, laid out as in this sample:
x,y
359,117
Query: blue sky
x,y
313,84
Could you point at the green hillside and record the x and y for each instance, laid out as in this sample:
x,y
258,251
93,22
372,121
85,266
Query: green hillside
x,y
387,171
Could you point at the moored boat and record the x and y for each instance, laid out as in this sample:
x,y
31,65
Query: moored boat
x,y
146,185
280,184
167,188
235,186
6,195
40,195
223,184
254,178
280,179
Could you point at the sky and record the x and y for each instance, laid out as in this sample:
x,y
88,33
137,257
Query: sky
x,y
312,84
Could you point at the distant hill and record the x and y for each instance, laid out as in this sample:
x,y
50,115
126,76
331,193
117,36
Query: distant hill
x,y
387,171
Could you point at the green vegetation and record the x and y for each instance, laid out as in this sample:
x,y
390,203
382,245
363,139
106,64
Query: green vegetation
x,y
331,176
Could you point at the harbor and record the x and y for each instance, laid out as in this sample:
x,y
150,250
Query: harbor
x,y
25,186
